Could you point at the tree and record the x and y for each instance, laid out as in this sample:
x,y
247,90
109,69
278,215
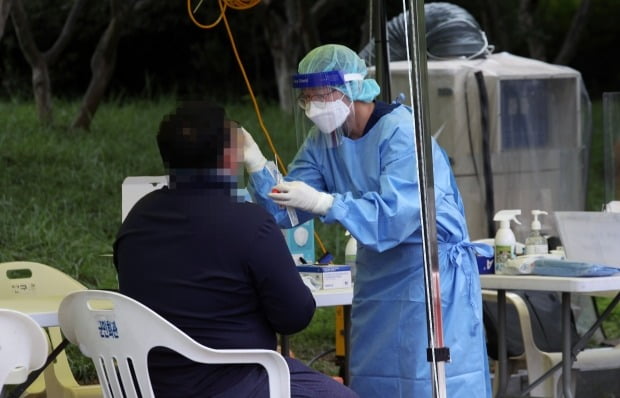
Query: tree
x,y
102,64
5,9
292,28
284,27
535,36
569,47
289,28
39,61
534,28
493,21
103,61
271,38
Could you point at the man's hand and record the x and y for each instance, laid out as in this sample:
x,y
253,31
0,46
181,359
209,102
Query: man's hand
x,y
302,196
252,156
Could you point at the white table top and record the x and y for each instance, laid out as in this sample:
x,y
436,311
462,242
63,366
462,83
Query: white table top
x,y
44,310
333,297
551,283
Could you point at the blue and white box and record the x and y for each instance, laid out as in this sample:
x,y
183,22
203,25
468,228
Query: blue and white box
x,y
326,276
300,241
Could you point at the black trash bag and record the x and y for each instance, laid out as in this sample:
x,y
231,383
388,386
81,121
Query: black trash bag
x,y
545,310
451,32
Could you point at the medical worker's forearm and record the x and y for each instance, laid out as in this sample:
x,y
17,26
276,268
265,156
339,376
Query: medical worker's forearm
x,y
260,185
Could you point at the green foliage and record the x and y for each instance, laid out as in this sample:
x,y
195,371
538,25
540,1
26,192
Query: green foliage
x,y
162,53
316,343
596,200
612,325
63,190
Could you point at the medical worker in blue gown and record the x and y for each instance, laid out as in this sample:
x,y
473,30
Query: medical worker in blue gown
x,y
357,167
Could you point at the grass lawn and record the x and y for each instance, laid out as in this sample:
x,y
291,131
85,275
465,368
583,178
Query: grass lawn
x,y
61,197
61,194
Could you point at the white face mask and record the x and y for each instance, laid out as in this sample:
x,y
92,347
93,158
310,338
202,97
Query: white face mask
x,y
328,116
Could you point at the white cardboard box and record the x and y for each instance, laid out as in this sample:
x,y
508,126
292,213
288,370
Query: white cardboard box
x,y
134,188
326,276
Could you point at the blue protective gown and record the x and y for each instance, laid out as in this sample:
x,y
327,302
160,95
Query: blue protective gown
x,y
375,186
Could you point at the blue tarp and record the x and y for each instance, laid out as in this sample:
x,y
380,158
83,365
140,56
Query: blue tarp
x,y
553,267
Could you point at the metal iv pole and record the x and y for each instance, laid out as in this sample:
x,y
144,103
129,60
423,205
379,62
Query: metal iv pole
x,y
437,353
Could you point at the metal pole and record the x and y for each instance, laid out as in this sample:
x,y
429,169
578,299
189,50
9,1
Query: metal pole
x,y
382,59
437,354
567,360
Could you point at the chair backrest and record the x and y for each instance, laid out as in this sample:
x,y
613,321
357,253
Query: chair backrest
x,y
535,358
20,278
110,328
545,323
29,286
23,347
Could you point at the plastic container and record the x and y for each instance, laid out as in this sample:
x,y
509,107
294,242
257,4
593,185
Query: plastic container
x,y
536,243
486,264
350,255
505,241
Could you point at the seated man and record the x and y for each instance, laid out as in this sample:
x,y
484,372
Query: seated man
x,y
216,267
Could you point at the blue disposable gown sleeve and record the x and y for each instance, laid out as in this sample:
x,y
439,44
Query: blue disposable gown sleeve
x,y
260,185
373,180
386,215
374,183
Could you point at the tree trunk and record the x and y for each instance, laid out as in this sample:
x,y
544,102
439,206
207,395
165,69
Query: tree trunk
x,y
285,67
42,91
494,19
102,66
533,36
284,38
288,37
68,30
569,46
103,61
41,62
40,76
5,9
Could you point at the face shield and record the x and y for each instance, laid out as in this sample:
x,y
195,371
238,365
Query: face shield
x,y
323,105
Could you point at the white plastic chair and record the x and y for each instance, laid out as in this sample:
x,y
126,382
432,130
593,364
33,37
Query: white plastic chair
x,y
23,347
110,328
538,362
26,286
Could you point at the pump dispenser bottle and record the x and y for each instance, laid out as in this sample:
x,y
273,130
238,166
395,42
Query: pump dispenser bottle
x,y
505,240
536,243
350,254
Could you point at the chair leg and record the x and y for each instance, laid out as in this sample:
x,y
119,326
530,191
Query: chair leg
x,y
59,380
557,380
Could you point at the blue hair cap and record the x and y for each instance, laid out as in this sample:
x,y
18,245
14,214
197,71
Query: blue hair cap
x,y
336,57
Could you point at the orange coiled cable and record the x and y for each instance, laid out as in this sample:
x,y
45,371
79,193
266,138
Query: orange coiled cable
x,y
243,5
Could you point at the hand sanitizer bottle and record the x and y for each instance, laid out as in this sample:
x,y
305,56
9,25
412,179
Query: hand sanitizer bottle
x,y
505,240
350,255
536,243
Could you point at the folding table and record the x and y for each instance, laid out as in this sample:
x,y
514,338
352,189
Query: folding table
x,y
566,286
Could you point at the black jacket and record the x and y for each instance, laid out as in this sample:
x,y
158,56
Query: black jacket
x,y
218,269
